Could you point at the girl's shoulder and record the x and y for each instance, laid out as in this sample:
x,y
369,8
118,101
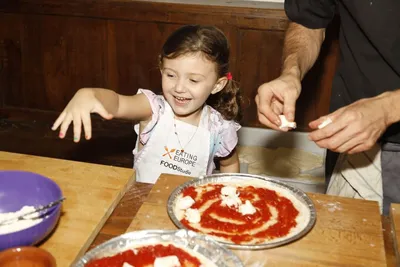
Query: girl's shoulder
x,y
223,134
219,125
157,102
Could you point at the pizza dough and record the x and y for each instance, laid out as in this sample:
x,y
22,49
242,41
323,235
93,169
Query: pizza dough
x,y
281,162
259,230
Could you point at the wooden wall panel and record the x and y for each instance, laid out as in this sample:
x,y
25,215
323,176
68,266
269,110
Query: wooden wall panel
x,y
133,50
133,54
258,62
60,55
66,45
248,17
10,56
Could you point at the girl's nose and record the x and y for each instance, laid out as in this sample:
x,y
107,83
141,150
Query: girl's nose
x,y
180,87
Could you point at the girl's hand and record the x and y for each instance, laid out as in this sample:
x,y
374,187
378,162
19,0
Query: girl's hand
x,y
78,110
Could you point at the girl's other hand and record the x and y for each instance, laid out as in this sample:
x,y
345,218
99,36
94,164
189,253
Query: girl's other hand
x,y
78,110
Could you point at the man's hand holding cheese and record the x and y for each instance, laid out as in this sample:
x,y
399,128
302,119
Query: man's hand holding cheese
x,y
356,128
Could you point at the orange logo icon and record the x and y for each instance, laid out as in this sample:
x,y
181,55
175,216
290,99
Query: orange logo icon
x,y
168,152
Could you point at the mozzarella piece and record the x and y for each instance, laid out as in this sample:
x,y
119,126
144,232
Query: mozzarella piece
x,y
185,203
247,208
230,197
285,123
127,265
168,261
325,123
228,191
231,201
193,215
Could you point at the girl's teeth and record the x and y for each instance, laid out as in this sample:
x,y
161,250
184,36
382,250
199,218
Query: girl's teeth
x,y
182,98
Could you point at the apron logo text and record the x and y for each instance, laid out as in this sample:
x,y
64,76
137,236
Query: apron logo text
x,y
180,156
174,167
185,158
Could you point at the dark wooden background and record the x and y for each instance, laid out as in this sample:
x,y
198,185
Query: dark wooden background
x,y
51,48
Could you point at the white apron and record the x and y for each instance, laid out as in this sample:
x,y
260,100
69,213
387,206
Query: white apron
x,y
358,176
163,152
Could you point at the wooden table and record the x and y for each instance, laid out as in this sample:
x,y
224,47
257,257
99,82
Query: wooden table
x,y
92,191
395,219
347,232
120,220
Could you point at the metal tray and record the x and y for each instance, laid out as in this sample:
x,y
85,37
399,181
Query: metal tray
x,y
201,244
225,177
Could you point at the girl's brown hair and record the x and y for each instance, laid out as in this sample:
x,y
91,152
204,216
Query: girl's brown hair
x,y
213,44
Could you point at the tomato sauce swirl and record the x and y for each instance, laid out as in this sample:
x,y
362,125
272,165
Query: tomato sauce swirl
x,y
228,223
145,256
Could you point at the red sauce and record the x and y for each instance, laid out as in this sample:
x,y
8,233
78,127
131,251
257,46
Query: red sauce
x,y
145,256
260,198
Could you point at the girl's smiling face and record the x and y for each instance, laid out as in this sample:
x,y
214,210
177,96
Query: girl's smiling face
x,y
187,82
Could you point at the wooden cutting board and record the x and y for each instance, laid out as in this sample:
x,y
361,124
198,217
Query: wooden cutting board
x,y
92,191
395,219
348,231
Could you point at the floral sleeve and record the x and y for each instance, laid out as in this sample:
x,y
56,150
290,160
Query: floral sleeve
x,y
157,104
226,131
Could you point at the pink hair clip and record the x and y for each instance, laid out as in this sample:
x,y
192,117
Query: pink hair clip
x,y
229,76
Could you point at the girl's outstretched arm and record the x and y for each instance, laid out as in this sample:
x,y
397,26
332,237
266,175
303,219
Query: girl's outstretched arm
x,y
230,164
104,102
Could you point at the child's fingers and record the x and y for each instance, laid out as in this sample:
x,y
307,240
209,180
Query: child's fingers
x,y
87,125
58,121
65,124
77,127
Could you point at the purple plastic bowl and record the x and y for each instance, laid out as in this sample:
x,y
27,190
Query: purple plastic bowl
x,y
18,189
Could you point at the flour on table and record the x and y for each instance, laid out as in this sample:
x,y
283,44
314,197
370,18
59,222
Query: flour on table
x,y
331,206
21,224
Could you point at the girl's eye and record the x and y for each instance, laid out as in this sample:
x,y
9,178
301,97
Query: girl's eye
x,y
170,75
194,81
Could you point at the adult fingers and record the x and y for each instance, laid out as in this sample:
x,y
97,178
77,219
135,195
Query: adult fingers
x,y
341,141
265,109
289,106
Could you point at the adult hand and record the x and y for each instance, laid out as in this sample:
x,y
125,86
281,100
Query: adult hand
x,y
354,128
278,97
78,111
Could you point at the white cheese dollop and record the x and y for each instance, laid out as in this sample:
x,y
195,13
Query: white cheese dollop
x,y
229,197
231,201
185,203
228,190
247,208
192,215
168,261
325,123
127,265
285,123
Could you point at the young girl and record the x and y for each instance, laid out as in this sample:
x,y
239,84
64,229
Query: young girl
x,y
178,132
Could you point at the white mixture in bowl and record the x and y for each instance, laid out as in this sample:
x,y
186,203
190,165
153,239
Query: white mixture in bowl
x,y
16,226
